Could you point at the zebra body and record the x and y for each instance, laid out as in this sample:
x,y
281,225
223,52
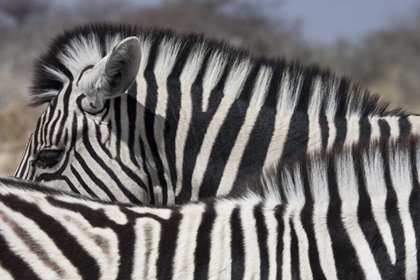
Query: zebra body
x,y
197,120
344,215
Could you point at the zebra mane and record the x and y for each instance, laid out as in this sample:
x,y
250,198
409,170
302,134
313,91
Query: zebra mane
x,y
372,169
277,83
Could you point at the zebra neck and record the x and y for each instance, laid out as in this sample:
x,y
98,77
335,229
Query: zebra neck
x,y
203,142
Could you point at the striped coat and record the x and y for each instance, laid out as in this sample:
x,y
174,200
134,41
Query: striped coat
x,y
345,215
163,118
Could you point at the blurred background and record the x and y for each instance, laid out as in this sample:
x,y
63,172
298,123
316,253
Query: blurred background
x,y
375,42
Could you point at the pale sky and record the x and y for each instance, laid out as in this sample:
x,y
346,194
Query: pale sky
x,y
327,20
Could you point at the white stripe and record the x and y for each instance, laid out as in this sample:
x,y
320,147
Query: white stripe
x,y
250,242
394,126
124,179
4,274
375,130
92,185
314,137
347,188
187,241
272,240
16,245
415,124
214,71
89,237
353,131
146,249
220,252
315,103
401,176
188,76
288,93
281,128
377,190
332,133
331,107
165,62
160,212
286,240
27,254
321,197
233,86
232,166
141,98
295,202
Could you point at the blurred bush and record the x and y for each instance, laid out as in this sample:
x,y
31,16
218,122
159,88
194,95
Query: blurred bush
x,y
387,61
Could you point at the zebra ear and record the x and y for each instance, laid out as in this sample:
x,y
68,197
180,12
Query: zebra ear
x,y
122,65
112,75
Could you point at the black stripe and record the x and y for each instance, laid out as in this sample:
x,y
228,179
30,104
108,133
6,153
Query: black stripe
x,y
125,233
18,268
256,150
82,182
82,72
237,246
64,118
167,245
306,217
365,129
297,137
117,128
384,128
325,131
346,260
341,132
226,139
202,250
173,108
294,253
52,129
103,165
69,246
146,170
70,184
279,249
414,201
198,126
395,222
342,95
405,126
129,172
368,224
306,92
150,117
262,234
132,121
98,182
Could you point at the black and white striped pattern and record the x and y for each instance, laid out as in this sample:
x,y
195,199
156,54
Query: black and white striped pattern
x,y
199,119
353,215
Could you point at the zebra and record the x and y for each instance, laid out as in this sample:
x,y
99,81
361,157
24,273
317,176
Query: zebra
x,y
152,116
337,215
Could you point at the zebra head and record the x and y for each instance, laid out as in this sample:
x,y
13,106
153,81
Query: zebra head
x,y
82,105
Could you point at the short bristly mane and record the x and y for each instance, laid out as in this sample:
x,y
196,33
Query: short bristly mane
x,y
317,176
289,85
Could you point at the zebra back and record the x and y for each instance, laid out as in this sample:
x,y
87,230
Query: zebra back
x,y
333,216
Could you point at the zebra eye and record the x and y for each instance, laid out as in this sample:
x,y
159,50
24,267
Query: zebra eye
x,y
47,158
